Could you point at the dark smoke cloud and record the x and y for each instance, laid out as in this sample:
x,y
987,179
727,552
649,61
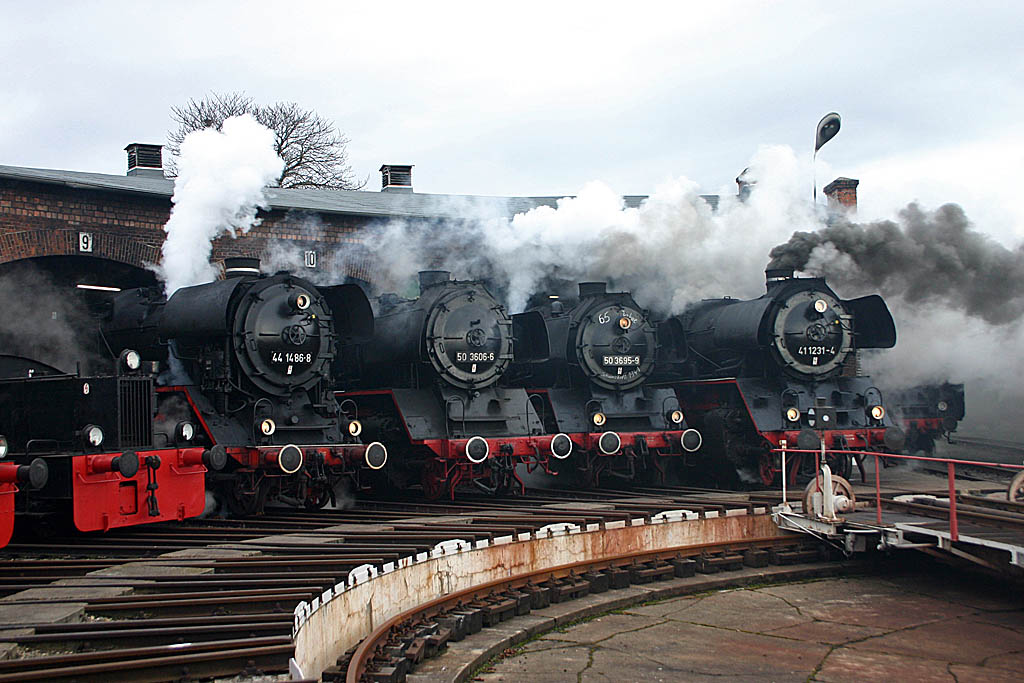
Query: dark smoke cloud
x,y
46,323
926,257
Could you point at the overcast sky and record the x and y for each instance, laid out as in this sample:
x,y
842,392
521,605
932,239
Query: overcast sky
x,y
540,98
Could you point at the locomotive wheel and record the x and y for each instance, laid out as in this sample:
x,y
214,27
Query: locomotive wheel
x,y
318,496
1016,490
434,479
840,487
243,503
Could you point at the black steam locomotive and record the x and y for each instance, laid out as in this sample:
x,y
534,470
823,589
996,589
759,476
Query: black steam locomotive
x,y
250,362
428,385
587,372
780,371
927,412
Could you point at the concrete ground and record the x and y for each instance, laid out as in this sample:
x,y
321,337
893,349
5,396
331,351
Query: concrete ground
x,y
935,626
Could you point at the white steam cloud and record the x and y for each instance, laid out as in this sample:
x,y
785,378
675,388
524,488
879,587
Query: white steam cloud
x,y
221,181
669,251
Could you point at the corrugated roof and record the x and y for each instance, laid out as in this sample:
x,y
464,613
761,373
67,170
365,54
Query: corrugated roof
x,y
350,202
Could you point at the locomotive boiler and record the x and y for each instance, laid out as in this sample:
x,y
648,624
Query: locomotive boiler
x,y
428,385
587,374
250,358
780,370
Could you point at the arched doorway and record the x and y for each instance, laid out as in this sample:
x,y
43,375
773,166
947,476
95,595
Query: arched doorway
x,y
52,305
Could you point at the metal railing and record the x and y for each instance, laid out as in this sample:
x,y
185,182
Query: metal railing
x,y
951,463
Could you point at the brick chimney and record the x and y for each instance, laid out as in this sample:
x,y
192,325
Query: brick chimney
x,y
842,194
146,161
395,178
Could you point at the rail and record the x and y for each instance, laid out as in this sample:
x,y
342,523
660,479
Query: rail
x,y
374,644
951,464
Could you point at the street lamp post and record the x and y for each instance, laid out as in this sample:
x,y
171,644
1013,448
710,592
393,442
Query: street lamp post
x,y
827,129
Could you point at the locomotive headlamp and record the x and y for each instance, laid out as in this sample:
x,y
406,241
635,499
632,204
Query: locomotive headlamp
x,y
821,305
3,447
131,360
185,431
792,414
268,427
299,301
355,428
625,322
676,417
942,406
93,435
877,412
598,419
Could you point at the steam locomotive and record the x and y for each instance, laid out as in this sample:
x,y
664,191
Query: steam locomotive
x,y
780,371
429,385
927,413
586,372
250,364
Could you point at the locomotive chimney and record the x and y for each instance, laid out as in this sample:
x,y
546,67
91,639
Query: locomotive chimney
x,y
241,266
395,178
429,278
842,195
776,276
145,161
593,288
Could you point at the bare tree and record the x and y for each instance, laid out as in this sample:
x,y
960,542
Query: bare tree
x,y
313,150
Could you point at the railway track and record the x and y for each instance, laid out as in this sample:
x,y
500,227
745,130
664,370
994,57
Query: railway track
x,y
216,598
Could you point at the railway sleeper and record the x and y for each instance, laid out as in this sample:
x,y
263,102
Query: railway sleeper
x,y
540,596
599,581
495,610
793,555
568,588
684,567
474,619
454,623
712,564
756,557
654,570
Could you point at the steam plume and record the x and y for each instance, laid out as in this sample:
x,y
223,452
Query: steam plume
x,y
218,190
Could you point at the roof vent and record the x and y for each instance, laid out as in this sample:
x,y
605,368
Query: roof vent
x,y
145,160
395,178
